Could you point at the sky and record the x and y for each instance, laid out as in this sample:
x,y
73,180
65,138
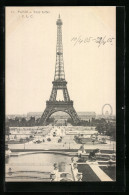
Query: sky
x,y
90,67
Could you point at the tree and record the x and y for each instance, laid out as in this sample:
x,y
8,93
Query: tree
x,y
7,130
27,139
21,140
80,123
31,122
23,122
106,128
16,121
37,121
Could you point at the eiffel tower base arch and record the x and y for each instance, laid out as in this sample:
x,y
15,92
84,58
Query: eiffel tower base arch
x,y
52,107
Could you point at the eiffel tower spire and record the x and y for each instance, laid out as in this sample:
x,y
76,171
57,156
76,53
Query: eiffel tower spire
x,y
59,67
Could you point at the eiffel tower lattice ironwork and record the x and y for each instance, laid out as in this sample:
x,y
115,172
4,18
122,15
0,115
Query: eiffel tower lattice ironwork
x,y
59,83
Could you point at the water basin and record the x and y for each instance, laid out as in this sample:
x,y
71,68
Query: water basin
x,y
34,167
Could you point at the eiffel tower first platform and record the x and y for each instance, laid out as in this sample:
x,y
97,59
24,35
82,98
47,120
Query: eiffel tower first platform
x,y
59,83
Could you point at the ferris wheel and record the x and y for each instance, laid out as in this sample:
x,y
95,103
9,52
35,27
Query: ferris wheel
x,y
107,110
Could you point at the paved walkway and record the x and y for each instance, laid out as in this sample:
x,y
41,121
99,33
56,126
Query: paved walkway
x,y
101,175
67,141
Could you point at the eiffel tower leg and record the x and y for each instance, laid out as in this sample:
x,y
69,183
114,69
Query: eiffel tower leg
x,y
53,94
45,116
66,95
73,115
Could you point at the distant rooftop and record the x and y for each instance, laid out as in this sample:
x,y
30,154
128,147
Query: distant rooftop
x,y
58,113
40,113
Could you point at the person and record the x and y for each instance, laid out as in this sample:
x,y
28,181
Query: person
x,y
83,149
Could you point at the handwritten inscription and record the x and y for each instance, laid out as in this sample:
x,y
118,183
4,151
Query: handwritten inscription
x,y
98,40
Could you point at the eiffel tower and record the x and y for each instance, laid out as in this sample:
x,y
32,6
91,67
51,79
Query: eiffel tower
x,y
59,83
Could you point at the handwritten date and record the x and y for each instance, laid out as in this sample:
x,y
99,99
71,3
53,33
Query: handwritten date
x,y
99,40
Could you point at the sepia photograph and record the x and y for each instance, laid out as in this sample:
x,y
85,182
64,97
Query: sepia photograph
x,y
60,94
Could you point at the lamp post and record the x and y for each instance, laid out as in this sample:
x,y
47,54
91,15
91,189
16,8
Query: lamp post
x,y
69,145
24,146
